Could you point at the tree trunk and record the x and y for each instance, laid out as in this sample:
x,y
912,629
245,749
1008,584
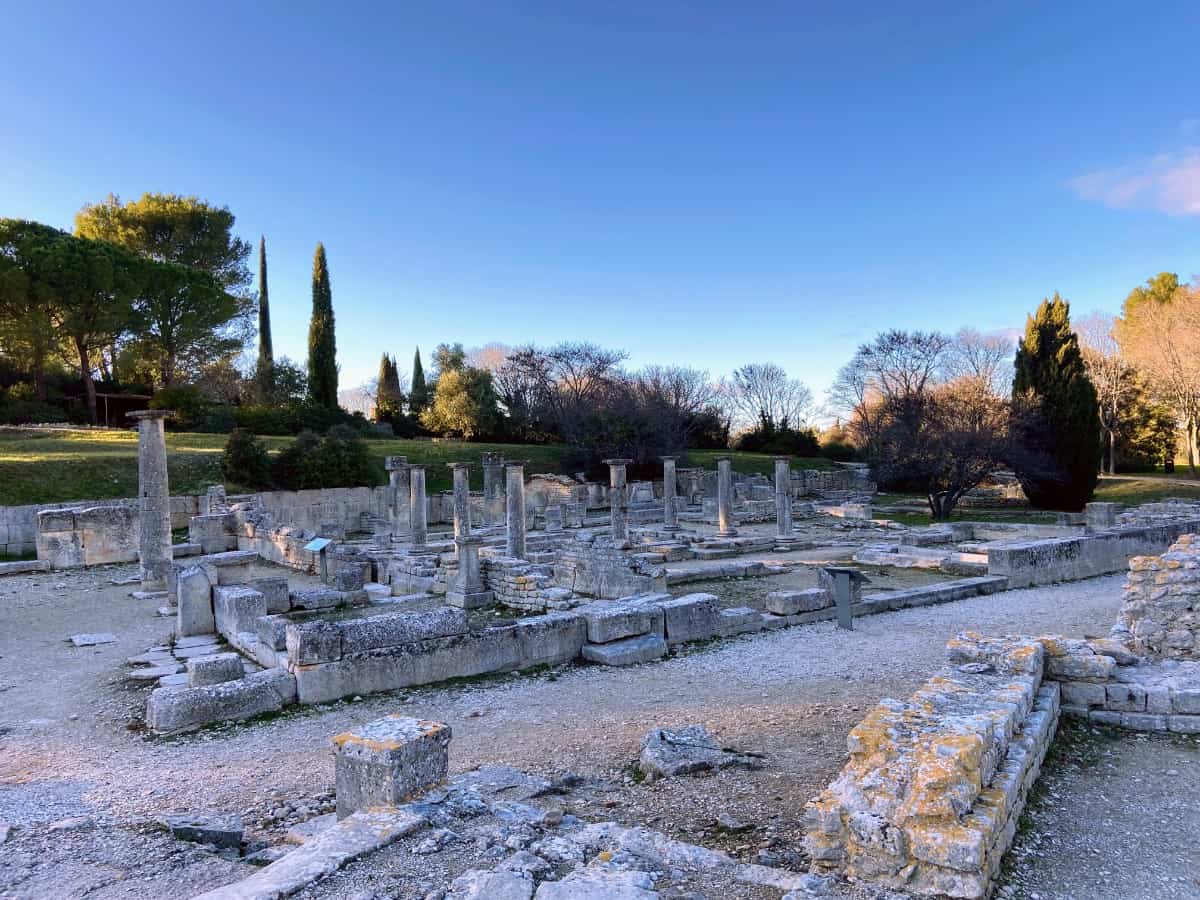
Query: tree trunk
x,y
85,372
39,376
1112,451
1191,444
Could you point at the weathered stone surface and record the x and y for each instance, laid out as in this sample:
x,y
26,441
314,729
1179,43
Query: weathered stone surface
x,y
309,643
396,629
668,752
1126,697
92,640
351,838
538,640
692,617
626,652
275,590
236,608
272,631
1186,701
595,883
739,620
611,621
220,830
214,669
1184,724
790,603
478,884
172,709
193,595
388,761
1084,693
1161,614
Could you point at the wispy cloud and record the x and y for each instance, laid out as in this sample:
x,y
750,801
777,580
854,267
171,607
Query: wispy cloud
x,y
1168,183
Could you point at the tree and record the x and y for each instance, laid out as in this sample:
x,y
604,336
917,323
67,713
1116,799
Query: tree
x,y
943,441
1114,379
1159,333
885,381
388,397
264,370
986,357
173,228
761,395
418,392
95,284
194,305
27,296
1059,443
322,346
464,404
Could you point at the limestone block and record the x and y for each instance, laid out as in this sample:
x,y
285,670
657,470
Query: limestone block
x,y
361,635
1143,722
232,567
194,612
612,621
309,643
237,607
692,617
739,620
214,669
272,631
315,598
1080,667
790,603
1084,693
1186,701
627,652
1126,697
497,884
388,761
349,578
1158,700
275,589
179,709
1184,724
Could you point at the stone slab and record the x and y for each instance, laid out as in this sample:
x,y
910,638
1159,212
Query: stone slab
x,y
93,640
388,762
170,710
627,652
692,617
216,668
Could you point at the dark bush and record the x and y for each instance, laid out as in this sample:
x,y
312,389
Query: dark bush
x,y
340,459
189,405
18,406
768,438
245,461
221,419
292,418
841,451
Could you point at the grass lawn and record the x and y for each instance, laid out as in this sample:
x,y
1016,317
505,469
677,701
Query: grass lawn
x,y
1147,488
61,465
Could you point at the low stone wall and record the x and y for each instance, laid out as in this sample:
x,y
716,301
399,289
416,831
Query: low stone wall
x,y
930,798
1161,614
1068,559
597,569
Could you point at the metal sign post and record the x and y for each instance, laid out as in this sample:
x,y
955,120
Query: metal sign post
x,y
847,583
320,546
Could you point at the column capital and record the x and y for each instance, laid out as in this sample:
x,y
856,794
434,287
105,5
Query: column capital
x,y
515,463
725,458
395,463
783,459
669,458
617,462
458,465
469,540
140,414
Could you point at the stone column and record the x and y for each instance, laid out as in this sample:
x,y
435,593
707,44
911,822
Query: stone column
x,y
398,482
618,503
783,496
468,591
670,508
154,499
416,506
725,497
515,508
462,498
493,471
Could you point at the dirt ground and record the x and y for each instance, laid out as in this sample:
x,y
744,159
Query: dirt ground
x,y
81,784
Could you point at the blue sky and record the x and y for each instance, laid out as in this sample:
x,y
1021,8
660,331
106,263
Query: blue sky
x,y
698,183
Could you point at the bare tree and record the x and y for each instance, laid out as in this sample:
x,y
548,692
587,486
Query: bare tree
x,y
762,395
986,357
1162,339
1114,379
674,397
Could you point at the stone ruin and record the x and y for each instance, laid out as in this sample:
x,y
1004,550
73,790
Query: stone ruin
x,y
935,785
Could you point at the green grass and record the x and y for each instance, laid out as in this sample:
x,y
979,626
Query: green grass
x,y
62,465
1143,489
752,463
1015,517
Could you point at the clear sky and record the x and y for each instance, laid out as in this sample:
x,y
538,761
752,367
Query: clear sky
x,y
698,183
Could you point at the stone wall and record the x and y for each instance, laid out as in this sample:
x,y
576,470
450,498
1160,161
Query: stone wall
x,y
595,568
1161,615
89,532
1066,559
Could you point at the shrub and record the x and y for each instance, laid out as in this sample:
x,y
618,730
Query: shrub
x,y
340,459
768,438
245,461
221,419
18,406
840,451
188,404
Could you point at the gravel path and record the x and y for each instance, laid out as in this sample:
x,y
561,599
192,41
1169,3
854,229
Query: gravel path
x,y
791,695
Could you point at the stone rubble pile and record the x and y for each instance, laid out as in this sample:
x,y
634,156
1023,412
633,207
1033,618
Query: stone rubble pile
x,y
1161,615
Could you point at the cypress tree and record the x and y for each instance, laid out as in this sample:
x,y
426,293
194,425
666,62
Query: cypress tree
x,y
266,355
1057,425
394,384
322,346
418,394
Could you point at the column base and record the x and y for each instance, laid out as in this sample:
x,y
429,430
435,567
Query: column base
x,y
470,599
728,532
